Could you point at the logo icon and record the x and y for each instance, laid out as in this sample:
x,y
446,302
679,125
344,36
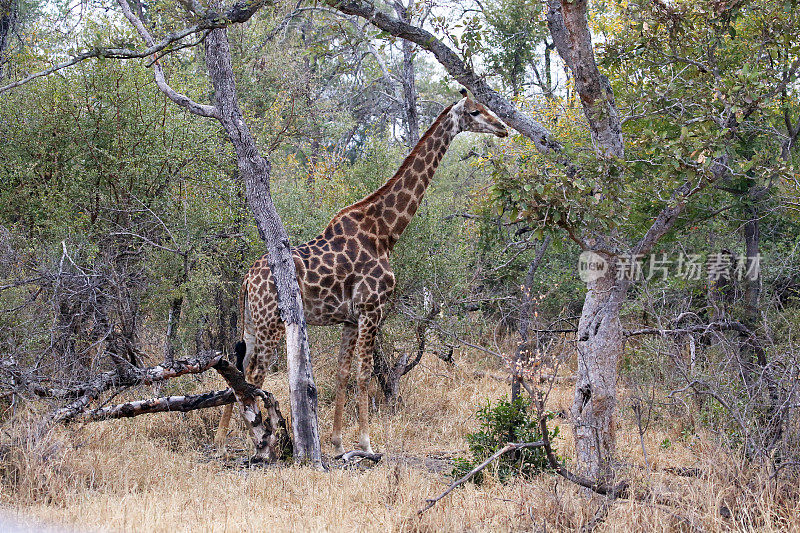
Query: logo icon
x,y
591,266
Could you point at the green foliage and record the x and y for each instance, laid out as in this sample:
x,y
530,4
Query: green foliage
x,y
516,28
694,92
500,424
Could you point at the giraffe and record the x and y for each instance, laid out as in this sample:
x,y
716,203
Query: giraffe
x,y
344,273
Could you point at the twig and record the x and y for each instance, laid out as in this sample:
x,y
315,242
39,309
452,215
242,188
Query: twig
x,y
619,490
510,447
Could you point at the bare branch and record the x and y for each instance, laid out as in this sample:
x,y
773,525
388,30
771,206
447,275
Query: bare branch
x,y
181,404
134,376
455,66
112,53
510,447
729,325
180,99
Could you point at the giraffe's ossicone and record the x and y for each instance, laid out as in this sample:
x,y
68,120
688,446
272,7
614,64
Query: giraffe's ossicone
x,y
344,274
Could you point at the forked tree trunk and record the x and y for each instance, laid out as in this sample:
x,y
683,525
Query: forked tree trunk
x,y
600,343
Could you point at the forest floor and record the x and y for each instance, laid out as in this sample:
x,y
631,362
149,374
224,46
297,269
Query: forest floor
x,y
161,473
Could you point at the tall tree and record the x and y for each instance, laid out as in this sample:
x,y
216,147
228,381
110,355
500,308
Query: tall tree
x,y
581,187
255,171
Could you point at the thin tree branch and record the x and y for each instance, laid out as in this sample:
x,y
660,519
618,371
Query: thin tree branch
x,y
510,447
180,99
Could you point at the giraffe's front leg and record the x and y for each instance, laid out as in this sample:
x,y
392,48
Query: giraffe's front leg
x,y
367,329
349,337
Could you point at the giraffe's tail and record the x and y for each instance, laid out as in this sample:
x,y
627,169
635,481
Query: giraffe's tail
x,y
240,349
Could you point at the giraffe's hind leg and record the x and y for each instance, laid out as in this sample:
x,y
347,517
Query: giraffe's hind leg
x,y
349,337
367,330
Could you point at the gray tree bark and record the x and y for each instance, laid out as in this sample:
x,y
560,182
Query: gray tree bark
x,y
255,171
569,27
599,350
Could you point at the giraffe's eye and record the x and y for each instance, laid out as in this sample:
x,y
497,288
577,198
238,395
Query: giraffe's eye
x,y
474,113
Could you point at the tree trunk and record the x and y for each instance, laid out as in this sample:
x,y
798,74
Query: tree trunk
x,y
409,81
255,171
173,320
600,344
600,338
569,27
752,357
9,14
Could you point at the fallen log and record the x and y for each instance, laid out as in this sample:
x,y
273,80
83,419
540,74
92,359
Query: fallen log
x,y
268,431
132,376
181,404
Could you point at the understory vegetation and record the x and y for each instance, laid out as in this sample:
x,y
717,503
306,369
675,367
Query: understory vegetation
x,y
667,384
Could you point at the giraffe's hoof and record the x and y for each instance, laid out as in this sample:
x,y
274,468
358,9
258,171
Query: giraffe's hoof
x,y
364,444
338,450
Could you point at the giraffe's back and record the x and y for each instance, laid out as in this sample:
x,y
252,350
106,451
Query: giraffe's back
x,y
338,280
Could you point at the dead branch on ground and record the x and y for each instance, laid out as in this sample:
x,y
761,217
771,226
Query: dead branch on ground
x,y
269,434
181,404
131,376
359,454
510,447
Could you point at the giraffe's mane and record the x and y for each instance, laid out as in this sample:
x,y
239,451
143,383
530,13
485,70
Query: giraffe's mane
x,y
407,162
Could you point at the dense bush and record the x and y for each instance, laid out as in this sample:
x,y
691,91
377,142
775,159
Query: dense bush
x,y
502,423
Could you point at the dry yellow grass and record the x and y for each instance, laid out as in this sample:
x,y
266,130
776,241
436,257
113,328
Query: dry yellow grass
x,y
158,473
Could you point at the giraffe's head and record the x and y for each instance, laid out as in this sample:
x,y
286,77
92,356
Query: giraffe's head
x,y
472,116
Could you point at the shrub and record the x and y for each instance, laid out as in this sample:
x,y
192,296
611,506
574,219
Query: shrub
x,y
500,424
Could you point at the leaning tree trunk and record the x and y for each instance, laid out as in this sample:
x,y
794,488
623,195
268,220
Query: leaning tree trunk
x,y
255,171
600,343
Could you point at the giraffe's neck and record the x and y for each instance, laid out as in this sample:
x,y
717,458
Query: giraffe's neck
x,y
387,212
